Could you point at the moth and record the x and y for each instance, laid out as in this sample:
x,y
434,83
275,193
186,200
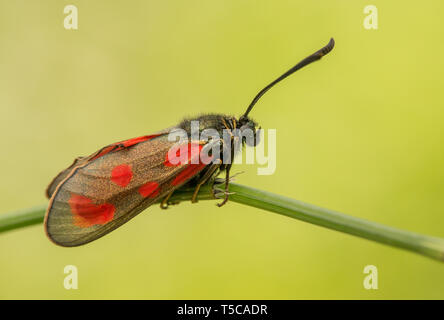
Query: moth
x,y
98,193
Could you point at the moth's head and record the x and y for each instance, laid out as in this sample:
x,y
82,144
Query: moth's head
x,y
248,125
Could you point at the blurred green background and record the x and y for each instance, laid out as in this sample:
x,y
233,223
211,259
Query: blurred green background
x,y
359,132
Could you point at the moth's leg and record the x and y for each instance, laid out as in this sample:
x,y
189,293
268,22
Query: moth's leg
x,y
211,170
216,164
227,181
234,123
164,203
219,181
213,189
225,124
227,175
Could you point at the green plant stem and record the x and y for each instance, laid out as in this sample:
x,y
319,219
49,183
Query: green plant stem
x,y
22,218
431,247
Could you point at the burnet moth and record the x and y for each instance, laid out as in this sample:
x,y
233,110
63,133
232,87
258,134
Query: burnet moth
x,y
102,191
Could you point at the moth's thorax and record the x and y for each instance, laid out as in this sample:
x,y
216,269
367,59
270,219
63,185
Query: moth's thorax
x,y
219,122
238,132
207,121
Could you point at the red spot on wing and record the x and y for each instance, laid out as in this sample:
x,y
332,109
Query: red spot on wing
x,y
87,214
149,189
104,151
123,144
190,160
190,171
133,141
122,175
181,159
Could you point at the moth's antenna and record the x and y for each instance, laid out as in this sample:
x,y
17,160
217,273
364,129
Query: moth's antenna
x,y
314,57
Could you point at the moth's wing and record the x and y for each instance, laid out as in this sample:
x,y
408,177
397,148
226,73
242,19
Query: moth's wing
x,y
103,193
62,175
80,161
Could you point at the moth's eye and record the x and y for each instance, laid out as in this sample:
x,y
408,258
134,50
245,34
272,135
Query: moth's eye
x,y
252,138
257,138
252,125
254,141
244,127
